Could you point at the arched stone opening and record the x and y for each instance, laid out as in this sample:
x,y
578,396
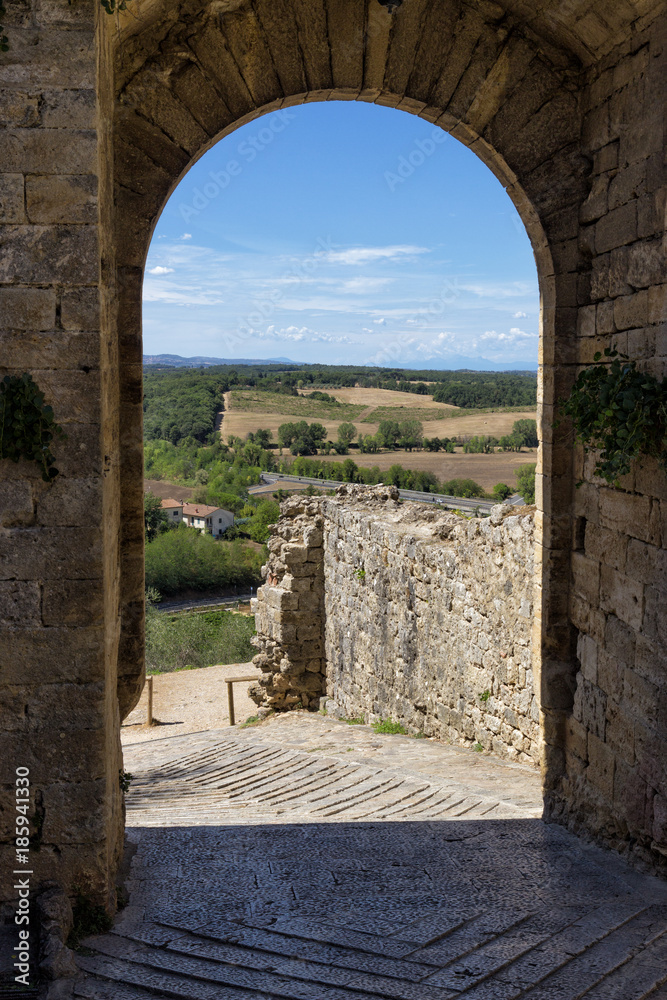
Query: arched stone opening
x,y
505,96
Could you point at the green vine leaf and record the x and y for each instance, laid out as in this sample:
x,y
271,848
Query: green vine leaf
x,y
4,41
111,6
619,411
27,424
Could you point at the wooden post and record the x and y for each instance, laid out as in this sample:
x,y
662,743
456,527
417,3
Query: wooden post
x,y
149,709
230,702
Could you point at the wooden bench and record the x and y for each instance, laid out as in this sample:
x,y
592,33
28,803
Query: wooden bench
x,y
231,681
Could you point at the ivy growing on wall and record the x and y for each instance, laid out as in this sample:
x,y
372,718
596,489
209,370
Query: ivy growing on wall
x,y
620,411
111,6
4,41
27,425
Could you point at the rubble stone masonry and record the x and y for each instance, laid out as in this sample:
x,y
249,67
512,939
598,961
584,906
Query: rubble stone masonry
x,y
403,612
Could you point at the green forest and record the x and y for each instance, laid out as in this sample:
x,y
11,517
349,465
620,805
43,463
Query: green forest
x,y
183,401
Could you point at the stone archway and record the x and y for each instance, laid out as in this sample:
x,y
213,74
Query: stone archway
x,y
477,73
563,101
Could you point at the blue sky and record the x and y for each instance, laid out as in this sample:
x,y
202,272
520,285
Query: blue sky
x,y
341,232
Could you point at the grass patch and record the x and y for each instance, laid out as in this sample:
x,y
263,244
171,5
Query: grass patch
x,y
357,720
298,406
252,720
478,748
387,726
190,641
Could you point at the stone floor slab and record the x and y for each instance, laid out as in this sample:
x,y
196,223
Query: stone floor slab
x,y
312,860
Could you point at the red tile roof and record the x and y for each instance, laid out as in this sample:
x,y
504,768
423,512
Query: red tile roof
x,y
198,510
171,503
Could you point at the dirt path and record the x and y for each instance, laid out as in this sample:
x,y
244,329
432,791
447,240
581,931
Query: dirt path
x,y
188,701
226,397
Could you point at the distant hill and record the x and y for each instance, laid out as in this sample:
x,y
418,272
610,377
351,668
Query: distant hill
x,y
176,361
458,362
454,362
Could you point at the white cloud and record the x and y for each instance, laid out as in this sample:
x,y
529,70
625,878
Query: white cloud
x,y
519,315
298,334
514,335
359,286
161,270
380,322
186,236
179,295
364,255
491,290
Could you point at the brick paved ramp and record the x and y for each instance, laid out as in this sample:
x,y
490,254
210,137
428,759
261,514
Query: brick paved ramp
x,y
313,860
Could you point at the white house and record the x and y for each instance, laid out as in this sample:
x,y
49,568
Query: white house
x,y
213,520
174,510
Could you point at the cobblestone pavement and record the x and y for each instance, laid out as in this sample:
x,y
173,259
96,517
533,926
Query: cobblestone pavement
x,y
313,860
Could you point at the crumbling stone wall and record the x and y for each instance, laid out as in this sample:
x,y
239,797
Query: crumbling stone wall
x,y
406,612
429,619
289,611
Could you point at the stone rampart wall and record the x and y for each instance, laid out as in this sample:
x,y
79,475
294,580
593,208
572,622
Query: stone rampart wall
x,y
402,612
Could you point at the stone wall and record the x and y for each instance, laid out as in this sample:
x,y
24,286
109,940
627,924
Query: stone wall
x,y
615,770
424,617
289,611
60,619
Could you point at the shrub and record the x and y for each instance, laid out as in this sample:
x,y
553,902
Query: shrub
x,y
525,477
462,488
196,640
185,558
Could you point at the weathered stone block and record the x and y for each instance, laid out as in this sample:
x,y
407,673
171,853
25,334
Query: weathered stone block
x,y
631,311
27,308
48,254
38,151
616,228
72,602
19,603
17,507
621,596
600,771
50,553
11,198
71,109
586,576
75,812
625,513
64,198
281,600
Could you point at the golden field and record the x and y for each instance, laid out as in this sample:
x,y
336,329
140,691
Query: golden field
x,y
487,470
247,410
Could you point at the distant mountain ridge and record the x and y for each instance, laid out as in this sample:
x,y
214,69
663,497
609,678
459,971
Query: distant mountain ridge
x,y
456,362
176,361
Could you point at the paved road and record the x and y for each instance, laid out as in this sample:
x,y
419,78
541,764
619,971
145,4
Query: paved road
x,y
469,506
314,860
